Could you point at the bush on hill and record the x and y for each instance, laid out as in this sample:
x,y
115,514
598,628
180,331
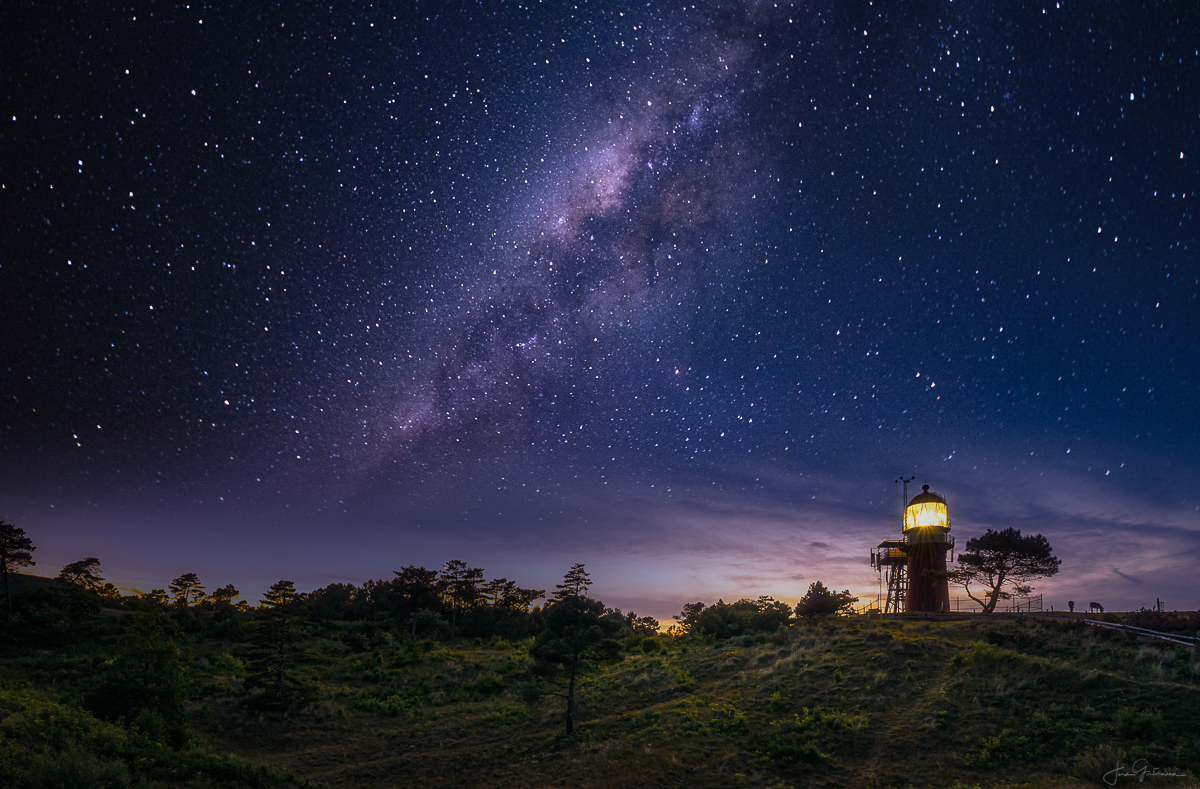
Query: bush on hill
x,y
727,620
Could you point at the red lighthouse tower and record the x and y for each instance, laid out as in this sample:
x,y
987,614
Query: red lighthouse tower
x,y
916,566
927,532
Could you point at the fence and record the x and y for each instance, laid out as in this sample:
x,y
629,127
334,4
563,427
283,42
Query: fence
x,y
1015,605
965,605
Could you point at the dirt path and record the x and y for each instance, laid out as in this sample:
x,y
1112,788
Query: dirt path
x,y
894,740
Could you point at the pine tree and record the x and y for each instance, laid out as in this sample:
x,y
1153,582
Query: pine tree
x,y
417,589
224,596
84,573
575,583
819,601
578,635
185,587
999,558
154,599
504,594
276,623
16,550
461,585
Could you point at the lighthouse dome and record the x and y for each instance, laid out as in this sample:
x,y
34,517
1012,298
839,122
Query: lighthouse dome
x,y
926,510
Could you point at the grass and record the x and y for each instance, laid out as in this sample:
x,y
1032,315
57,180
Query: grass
x,y
846,703
46,743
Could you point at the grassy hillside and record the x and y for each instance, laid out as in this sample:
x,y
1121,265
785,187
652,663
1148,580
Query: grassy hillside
x,y
841,703
48,744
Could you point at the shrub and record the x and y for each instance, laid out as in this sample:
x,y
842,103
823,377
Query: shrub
x,y
45,745
508,713
227,663
814,736
356,641
430,624
1098,761
72,766
390,706
53,616
485,685
981,653
689,717
728,620
1036,738
144,684
651,645
1138,725
727,719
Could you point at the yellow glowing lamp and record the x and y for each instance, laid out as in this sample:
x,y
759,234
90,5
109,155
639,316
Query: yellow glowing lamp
x,y
926,511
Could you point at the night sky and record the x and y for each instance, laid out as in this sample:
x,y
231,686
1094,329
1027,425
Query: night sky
x,y
675,290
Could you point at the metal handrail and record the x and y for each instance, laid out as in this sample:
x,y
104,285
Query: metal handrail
x,y
1174,638
1187,641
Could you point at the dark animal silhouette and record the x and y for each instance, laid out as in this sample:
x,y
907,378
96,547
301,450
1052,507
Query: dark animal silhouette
x,y
1095,607
1071,605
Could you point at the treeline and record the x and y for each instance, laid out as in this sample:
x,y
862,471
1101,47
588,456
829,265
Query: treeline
x,y
451,603
454,602
759,617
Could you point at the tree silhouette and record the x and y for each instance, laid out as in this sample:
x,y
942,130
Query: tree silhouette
x,y
109,593
576,582
461,587
154,599
505,595
723,620
224,596
689,617
276,621
1003,557
632,624
577,636
185,587
16,550
83,573
416,589
819,601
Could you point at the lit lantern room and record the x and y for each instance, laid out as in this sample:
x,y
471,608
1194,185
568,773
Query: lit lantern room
x,y
926,511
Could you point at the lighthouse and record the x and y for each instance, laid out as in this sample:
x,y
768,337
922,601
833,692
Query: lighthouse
x,y
927,534
915,567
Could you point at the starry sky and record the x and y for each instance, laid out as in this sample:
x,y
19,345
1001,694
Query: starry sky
x,y
675,290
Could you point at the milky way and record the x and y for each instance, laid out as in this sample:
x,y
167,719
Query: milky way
x,y
594,275
687,286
